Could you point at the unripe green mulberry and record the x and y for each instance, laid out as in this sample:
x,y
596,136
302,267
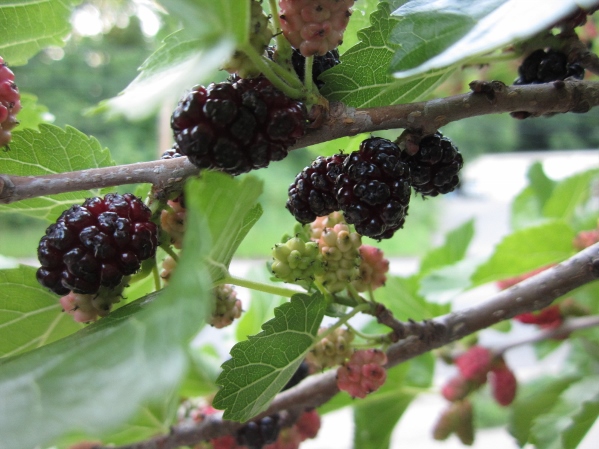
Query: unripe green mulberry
x,y
333,350
296,260
339,247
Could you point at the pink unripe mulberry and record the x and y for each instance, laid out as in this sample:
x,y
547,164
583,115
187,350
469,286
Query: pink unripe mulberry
x,y
510,282
475,363
547,318
308,424
315,27
363,373
373,269
503,384
458,388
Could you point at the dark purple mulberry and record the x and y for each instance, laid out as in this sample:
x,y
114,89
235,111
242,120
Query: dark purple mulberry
x,y
312,194
320,64
435,166
545,66
237,126
256,434
373,189
95,244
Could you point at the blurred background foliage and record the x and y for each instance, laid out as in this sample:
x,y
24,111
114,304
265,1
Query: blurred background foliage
x,y
111,40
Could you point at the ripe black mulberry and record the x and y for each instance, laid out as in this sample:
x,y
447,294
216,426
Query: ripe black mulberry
x,y
237,126
95,244
312,194
373,189
435,166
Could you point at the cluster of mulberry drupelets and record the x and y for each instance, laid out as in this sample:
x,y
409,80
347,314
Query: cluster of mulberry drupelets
x,y
435,167
476,366
371,186
364,373
10,103
237,126
315,27
332,350
544,66
96,244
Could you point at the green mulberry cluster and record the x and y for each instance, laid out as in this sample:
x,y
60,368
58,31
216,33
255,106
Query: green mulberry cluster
x,y
333,350
339,247
296,260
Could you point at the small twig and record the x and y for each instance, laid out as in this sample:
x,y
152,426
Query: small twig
x,y
567,327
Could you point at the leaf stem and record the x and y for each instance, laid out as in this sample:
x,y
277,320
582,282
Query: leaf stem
x,y
259,286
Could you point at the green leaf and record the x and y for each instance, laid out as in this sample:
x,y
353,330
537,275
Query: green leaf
x,y
180,63
231,205
569,194
193,55
423,36
360,19
401,296
261,366
28,26
534,399
363,79
201,378
570,418
442,285
30,316
32,114
527,207
203,18
376,433
51,150
92,381
526,250
151,420
261,308
540,183
452,251
526,210
462,30
393,397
